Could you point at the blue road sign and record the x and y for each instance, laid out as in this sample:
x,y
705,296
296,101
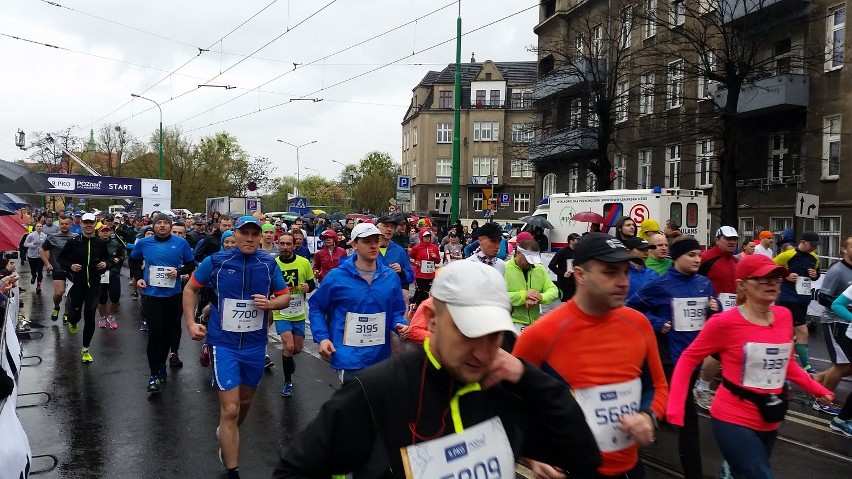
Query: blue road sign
x,y
403,183
505,199
300,202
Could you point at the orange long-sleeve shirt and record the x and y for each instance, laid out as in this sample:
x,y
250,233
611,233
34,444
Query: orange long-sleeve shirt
x,y
587,351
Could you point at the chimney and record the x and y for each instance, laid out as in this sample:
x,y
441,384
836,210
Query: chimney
x,y
472,57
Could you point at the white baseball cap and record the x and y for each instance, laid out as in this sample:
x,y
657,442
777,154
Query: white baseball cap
x,y
364,230
476,296
532,257
727,232
88,217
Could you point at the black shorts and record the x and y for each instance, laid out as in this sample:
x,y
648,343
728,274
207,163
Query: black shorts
x,y
839,346
59,275
798,310
135,268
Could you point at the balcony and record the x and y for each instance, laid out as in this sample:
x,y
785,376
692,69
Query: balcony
x,y
756,13
480,103
769,95
569,78
564,144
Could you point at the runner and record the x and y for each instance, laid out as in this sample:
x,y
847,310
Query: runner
x,y
425,257
639,273
529,287
803,264
85,258
48,252
453,249
490,240
355,308
753,341
659,260
290,322
33,242
394,256
625,228
301,248
329,256
240,305
198,233
438,395
166,257
677,305
179,230
747,248
562,266
843,422
267,245
575,343
110,279
764,246
135,267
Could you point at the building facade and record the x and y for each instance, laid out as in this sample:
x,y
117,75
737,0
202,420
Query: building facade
x,y
497,118
628,63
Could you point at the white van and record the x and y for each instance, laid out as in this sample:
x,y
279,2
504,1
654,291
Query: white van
x,y
687,207
116,209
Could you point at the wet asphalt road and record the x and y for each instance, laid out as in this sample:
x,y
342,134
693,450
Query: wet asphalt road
x,y
100,423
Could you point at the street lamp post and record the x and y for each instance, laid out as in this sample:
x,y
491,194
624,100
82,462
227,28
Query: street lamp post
x,y
348,182
134,95
298,169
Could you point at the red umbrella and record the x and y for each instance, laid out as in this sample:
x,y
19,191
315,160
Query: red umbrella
x,y
10,233
588,217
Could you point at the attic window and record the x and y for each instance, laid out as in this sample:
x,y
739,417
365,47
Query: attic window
x,y
487,76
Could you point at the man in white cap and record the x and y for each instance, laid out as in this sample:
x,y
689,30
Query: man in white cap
x,y
357,306
460,400
529,284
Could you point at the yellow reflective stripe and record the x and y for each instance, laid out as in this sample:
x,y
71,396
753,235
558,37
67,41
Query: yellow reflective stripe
x,y
430,356
88,260
454,405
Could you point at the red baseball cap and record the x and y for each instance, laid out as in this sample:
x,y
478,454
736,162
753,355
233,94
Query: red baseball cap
x,y
758,266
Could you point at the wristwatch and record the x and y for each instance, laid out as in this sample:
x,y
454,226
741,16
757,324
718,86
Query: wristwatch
x,y
654,419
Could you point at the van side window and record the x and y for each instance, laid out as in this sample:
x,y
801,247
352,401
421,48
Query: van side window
x,y
612,212
692,215
676,212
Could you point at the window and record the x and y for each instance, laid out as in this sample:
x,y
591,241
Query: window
x,y
831,147
486,131
782,49
626,26
835,38
441,197
445,132
575,113
477,201
444,167
703,163
678,13
405,141
597,41
548,184
591,181
747,227
522,132
777,153
578,45
573,179
619,167
621,102
480,98
414,136
675,87
522,99
522,169
646,94
650,18
445,99
414,168
495,98
673,166
484,166
828,229
522,202
704,83
644,169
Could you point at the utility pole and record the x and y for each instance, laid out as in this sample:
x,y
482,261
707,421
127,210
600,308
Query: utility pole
x,y
454,207
161,130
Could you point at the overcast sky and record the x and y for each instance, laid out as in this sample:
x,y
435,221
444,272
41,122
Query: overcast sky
x,y
48,89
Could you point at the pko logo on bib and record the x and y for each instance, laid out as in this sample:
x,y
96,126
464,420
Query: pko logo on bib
x,y
455,451
772,351
363,319
609,395
242,305
692,303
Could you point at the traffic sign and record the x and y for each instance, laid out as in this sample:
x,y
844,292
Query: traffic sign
x,y
392,209
403,197
251,205
300,202
505,199
486,213
807,206
403,183
444,206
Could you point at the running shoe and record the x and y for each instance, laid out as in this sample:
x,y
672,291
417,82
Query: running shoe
x,y
134,296
54,315
38,289
111,322
102,322
287,390
832,408
811,370
153,385
73,328
174,361
87,356
703,397
269,363
841,426
143,326
32,280
204,359
163,376
65,318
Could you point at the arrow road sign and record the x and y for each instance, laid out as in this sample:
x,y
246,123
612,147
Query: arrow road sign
x,y
807,206
445,205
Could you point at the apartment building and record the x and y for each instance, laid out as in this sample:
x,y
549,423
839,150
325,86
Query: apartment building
x,y
665,107
496,126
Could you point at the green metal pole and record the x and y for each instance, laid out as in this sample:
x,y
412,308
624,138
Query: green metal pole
x,y
454,208
161,147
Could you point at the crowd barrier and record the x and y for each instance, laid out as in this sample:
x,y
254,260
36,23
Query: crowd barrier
x,y
15,453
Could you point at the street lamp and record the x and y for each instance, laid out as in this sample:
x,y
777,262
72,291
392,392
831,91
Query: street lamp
x,y
314,169
348,182
298,176
134,95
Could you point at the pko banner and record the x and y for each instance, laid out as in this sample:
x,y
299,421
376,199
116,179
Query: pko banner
x,y
93,185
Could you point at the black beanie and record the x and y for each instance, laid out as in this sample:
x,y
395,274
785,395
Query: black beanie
x,y
162,217
680,248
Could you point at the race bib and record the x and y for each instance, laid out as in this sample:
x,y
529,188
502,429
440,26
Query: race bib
x,y
481,451
105,277
689,314
241,316
297,306
68,285
728,300
519,328
427,266
157,277
364,329
765,365
603,406
803,285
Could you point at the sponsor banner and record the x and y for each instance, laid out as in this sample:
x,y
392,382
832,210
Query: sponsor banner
x,y
161,189
81,185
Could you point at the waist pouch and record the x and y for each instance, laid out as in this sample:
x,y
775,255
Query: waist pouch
x,y
772,407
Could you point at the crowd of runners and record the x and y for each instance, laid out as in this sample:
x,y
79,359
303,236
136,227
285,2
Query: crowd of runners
x,y
651,329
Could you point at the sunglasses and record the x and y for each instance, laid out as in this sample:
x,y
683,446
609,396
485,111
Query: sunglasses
x,y
766,279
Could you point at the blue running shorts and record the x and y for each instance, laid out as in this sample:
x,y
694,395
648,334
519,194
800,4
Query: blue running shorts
x,y
235,367
284,326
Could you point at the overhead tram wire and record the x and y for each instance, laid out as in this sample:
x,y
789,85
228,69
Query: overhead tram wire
x,y
200,51
360,74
